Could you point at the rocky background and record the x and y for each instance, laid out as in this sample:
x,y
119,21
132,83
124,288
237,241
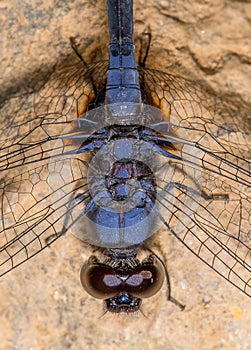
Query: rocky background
x,y
42,305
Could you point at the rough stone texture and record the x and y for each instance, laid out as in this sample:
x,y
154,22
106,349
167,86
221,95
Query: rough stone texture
x,y
42,305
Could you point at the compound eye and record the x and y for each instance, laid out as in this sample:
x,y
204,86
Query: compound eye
x,y
145,280
100,281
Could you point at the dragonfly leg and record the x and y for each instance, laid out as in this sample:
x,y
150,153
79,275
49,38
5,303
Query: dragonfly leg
x,y
72,204
85,100
168,283
200,193
145,43
74,46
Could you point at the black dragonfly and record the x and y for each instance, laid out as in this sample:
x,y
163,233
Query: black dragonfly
x,y
113,151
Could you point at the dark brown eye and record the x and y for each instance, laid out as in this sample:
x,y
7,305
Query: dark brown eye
x,y
100,281
145,281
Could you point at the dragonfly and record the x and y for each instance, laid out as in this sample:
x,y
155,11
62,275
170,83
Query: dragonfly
x,y
115,151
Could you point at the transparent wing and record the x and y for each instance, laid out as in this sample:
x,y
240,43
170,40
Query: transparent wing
x,y
34,205
208,211
219,129
32,216
34,121
212,220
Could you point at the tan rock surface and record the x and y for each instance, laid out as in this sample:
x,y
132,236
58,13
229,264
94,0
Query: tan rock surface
x,y
42,305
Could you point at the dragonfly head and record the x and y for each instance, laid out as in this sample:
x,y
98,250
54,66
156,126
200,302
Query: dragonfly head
x,y
122,282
